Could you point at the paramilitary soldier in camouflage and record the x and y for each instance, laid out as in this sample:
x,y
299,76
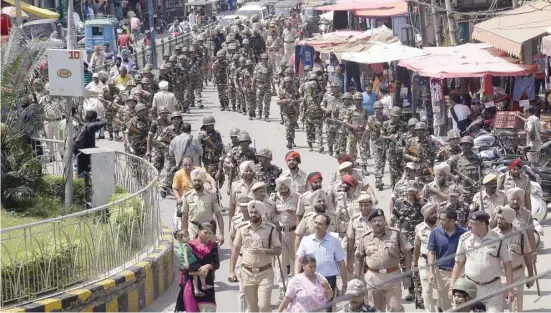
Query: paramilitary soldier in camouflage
x,y
262,82
268,172
312,115
241,89
169,132
390,133
407,214
248,88
196,77
111,95
138,128
421,150
211,142
123,118
233,68
220,72
453,148
356,122
156,150
341,115
236,156
331,103
468,169
375,123
289,107
182,81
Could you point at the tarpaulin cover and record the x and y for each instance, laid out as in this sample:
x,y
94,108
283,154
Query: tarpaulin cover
x,y
390,9
546,45
333,39
378,52
36,11
380,34
469,60
359,5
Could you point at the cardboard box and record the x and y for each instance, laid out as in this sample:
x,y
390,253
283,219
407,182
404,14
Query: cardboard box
x,y
508,120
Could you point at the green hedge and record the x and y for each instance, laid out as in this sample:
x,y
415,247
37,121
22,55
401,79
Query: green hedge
x,y
127,215
54,186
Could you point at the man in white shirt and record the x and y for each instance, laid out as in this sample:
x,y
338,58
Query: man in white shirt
x,y
192,18
461,112
386,99
532,128
164,98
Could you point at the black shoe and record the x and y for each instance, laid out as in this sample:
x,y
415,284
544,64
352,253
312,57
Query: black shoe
x,y
222,109
289,145
410,298
163,193
266,119
201,106
321,149
310,147
282,122
250,118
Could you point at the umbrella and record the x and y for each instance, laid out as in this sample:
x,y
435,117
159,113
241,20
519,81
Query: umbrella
x,y
11,12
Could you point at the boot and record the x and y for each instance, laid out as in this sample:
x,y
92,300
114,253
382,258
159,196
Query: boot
x,y
110,136
222,109
289,144
250,118
266,119
294,144
321,149
282,122
379,184
364,170
259,115
330,151
310,147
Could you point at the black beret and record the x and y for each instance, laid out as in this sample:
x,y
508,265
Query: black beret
x,y
479,216
375,213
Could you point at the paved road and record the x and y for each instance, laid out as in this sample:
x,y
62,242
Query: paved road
x,y
272,136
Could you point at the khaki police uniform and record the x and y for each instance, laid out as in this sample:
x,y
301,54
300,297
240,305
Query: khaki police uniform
x,y
304,206
346,207
274,45
241,189
433,197
336,177
200,208
256,271
357,227
518,246
298,181
237,221
507,181
382,255
523,218
287,220
289,36
483,265
429,294
490,202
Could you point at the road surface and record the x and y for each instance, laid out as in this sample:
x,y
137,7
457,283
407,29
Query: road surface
x,y
271,135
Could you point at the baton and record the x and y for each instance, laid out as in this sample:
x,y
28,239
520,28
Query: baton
x,y
537,280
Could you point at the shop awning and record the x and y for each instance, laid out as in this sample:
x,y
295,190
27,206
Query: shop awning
x,y
378,52
511,30
546,45
469,60
333,39
36,11
359,5
399,8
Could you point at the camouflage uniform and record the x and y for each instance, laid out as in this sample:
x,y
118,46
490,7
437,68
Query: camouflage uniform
x,y
356,117
289,107
270,174
449,151
424,150
342,114
196,84
468,168
111,109
261,79
123,118
246,83
461,207
408,216
138,142
183,81
220,72
211,155
377,143
397,128
158,149
313,116
237,156
331,102
232,82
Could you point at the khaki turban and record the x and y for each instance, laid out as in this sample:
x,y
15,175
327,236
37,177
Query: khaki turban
x,y
441,167
247,164
283,181
320,194
515,192
199,173
257,205
508,214
428,208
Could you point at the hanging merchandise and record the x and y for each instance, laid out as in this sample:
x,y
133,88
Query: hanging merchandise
x,y
436,90
524,85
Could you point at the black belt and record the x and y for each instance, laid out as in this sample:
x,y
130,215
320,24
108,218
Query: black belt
x,y
518,268
290,41
288,229
445,269
257,269
482,284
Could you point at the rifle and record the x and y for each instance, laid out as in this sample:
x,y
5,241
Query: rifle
x,y
413,150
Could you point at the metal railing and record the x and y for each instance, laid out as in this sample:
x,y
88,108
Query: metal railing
x,y
142,55
57,254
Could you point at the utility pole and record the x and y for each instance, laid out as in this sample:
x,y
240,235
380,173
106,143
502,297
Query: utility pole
x,y
423,22
435,23
152,31
71,38
451,22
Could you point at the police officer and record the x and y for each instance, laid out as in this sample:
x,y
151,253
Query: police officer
x,y
236,156
257,240
268,172
314,181
480,254
261,85
242,187
357,227
453,147
199,205
331,104
286,202
381,249
297,175
455,203
357,290
437,190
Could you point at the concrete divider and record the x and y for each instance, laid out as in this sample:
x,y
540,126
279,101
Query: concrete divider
x,y
128,291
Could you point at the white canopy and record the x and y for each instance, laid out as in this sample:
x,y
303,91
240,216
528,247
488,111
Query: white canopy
x,y
382,52
328,16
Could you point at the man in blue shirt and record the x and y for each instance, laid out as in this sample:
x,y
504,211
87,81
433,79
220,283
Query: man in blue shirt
x,y
328,253
442,246
369,98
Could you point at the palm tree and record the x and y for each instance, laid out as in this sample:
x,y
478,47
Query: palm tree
x,y
23,63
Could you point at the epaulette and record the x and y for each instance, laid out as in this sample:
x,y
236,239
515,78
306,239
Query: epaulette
x,y
368,233
357,215
242,223
270,224
189,192
394,229
466,235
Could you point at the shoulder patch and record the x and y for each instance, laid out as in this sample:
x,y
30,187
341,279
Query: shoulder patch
x,y
466,235
367,233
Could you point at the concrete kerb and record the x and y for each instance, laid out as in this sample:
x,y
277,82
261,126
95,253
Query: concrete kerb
x,y
128,291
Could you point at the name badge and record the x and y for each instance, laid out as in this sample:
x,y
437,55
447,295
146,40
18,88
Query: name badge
x,y
524,103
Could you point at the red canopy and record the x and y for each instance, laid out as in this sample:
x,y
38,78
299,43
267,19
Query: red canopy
x,y
469,60
333,39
